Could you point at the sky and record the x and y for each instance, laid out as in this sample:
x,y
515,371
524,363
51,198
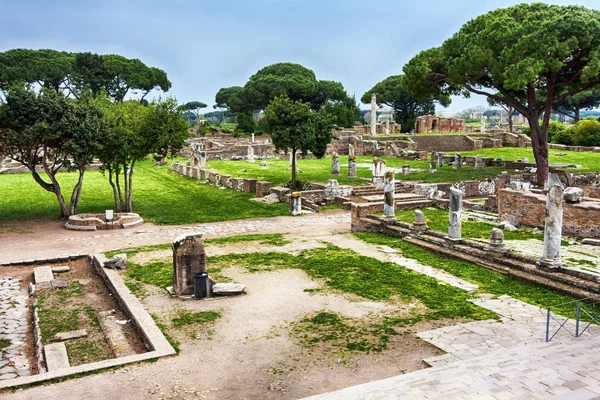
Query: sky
x,y
206,45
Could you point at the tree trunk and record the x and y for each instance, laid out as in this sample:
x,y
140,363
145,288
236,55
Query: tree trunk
x,y
55,187
293,169
576,119
114,188
130,186
76,196
125,186
117,179
510,119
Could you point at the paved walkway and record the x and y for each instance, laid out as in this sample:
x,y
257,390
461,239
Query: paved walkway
x,y
13,328
504,359
51,239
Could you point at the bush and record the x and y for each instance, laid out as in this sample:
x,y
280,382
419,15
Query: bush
x,y
587,133
558,133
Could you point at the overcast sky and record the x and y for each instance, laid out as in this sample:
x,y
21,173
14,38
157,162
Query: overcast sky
x,y
206,45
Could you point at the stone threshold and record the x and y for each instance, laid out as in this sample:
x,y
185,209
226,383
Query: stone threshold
x,y
150,334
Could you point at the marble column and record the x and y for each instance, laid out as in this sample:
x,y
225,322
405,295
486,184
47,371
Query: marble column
x,y
457,161
553,223
478,163
454,230
482,122
335,164
352,166
419,223
440,159
389,188
387,127
373,114
296,203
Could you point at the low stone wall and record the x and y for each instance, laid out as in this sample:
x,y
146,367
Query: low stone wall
x,y
529,209
93,222
446,143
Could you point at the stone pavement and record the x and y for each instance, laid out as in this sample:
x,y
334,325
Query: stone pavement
x,y
13,328
504,359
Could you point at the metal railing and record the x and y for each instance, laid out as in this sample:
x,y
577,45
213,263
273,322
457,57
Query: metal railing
x,y
581,315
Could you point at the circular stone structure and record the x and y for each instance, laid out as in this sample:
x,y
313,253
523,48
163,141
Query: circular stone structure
x,y
94,222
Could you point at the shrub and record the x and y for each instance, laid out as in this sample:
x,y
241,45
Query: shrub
x,y
559,134
587,133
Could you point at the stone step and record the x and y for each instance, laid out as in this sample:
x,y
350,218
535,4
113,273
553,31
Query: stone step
x,y
56,356
114,334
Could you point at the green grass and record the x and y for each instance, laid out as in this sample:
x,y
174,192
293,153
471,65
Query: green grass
x,y
331,207
489,281
84,351
272,239
184,318
4,343
437,220
159,195
174,343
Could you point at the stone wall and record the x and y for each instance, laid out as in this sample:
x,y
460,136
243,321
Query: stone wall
x,y
529,209
431,123
445,143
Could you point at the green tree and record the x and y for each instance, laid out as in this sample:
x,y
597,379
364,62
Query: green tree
x,y
195,107
47,130
344,112
535,56
134,132
294,127
573,105
245,122
393,93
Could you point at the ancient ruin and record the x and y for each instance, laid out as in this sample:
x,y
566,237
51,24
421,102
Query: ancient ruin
x,y
431,123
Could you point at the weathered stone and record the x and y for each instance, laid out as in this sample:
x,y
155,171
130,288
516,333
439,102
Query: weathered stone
x,y
296,203
457,161
455,215
389,188
352,165
189,258
553,224
378,170
573,195
58,283
479,163
42,274
405,169
114,334
56,356
432,123
60,268
335,164
591,242
373,114
263,188
507,226
432,167
62,336
250,157
497,241
228,289
270,199
280,191
516,185
118,261
482,125
440,159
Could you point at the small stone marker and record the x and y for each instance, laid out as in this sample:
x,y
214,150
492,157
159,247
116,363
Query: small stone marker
x,y
335,164
406,169
228,289
250,154
379,168
457,161
62,336
419,224
189,258
118,261
432,167
454,230
440,159
56,356
497,241
60,268
352,166
479,163
42,274
553,223
573,195
296,203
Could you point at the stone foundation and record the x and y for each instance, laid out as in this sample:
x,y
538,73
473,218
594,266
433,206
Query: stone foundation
x,y
93,222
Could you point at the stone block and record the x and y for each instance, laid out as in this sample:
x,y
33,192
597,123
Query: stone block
x,y
228,289
212,176
58,283
56,356
591,242
118,261
42,274
236,183
195,172
250,185
280,191
263,188
189,258
60,268
62,336
573,195
203,173
225,179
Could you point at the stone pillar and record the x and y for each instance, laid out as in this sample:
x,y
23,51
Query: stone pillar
x,y
419,224
457,161
553,224
202,160
496,241
332,189
252,137
454,230
373,114
440,159
189,258
350,150
296,203
335,164
405,169
352,166
379,169
432,167
389,188
250,154
478,163
482,122
387,127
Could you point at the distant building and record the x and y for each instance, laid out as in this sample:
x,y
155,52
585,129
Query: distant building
x,y
431,123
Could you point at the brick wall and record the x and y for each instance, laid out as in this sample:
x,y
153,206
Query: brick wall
x,y
529,209
444,143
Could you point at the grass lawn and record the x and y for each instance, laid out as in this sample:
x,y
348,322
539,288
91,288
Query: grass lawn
x,y
159,195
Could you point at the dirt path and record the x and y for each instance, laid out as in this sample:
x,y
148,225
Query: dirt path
x,y
30,240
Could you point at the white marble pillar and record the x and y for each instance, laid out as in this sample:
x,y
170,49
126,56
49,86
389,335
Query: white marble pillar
x,y
553,223
387,127
373,114
454,230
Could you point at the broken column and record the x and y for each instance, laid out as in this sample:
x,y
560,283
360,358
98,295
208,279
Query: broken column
x,y
482,127
189,258
419,224
350,149
454,230
478,163
250,154
352,166
387,127
202,160
389,188
379,168
457,161
497,241
335,164
405,169
553,223
373,114
296,203
440,159
432,167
